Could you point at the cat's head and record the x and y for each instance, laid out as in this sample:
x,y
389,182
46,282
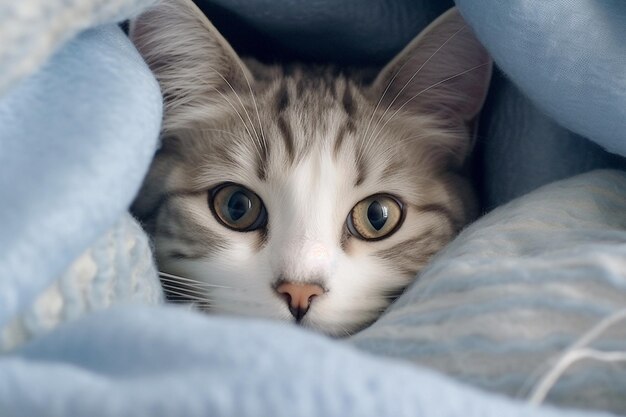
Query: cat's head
x,y
301,194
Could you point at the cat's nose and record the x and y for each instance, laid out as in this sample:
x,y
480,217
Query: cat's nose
x,y
299,297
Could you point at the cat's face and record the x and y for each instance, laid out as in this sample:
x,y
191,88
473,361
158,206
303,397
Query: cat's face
x,y
301,194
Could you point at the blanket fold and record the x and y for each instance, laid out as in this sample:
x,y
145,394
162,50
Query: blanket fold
x,y
80,116
76,139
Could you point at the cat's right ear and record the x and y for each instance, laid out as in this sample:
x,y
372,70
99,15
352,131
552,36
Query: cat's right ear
x,y
444,70
193,63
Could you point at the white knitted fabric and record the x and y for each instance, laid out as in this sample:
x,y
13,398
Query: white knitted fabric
x,y
117,269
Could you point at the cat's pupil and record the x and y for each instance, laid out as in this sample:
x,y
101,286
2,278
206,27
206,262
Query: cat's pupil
x,y
238,205
377,215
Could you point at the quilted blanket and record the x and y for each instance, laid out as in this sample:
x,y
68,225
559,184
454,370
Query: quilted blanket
x,y
494,327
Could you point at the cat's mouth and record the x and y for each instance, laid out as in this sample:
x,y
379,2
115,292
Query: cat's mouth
x,y
300,304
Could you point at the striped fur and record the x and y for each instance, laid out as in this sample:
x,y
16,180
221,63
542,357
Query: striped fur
x,y
311,142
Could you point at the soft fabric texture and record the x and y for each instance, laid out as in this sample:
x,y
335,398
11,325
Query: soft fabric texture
x,y
32,30
516,289
76,137
76,140
116,269
165,362
568,56
520,148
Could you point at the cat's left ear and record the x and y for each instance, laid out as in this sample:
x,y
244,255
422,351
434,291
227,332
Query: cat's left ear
x,y
193,63
443,70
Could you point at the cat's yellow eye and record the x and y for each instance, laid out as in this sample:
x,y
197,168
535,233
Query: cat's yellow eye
x,y
375,217
237,208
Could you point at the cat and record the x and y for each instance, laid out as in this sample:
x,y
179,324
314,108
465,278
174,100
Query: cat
x,y
303,193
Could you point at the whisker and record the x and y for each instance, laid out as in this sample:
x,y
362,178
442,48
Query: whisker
x,y
191,297
188,304
380,100
256,108
202,308
241,101
173,281
237,95
257,145
240,139
205,83
426,89
370,138
178,277
344,331
199,293
245,125
419,69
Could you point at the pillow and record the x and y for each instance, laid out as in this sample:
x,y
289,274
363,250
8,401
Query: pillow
x,y
509,295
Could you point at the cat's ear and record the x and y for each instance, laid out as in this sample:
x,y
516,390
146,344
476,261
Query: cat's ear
x,y
191,60
443,70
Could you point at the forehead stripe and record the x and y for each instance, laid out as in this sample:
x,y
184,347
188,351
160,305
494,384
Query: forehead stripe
x,y
287,136
262,159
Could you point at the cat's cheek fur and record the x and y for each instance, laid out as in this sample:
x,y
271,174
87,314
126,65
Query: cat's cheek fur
x,y
356,296
240,282
237,282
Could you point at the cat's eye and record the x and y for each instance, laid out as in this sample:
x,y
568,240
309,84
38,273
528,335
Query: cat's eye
x,y
376,217
237,208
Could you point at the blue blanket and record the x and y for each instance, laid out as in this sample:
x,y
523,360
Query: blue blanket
x,y
82,323
163,362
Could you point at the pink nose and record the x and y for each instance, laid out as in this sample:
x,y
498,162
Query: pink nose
x,y
299,297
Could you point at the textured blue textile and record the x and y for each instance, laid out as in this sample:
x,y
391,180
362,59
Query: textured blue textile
x,y
162,362
116,269
515,289
520,148
32,30
76,139
568,56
